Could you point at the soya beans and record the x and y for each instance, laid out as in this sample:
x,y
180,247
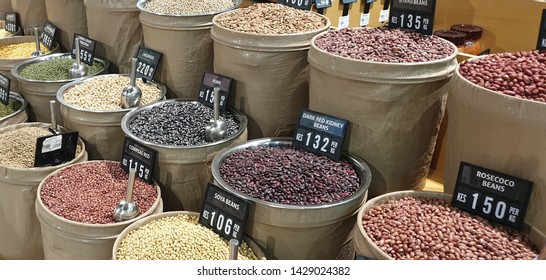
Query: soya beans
x,y
55,69
187,7
17,147
289,176
21,50
384,45
104,92
270,18
422,228
178,237
88,192
521,74
12,107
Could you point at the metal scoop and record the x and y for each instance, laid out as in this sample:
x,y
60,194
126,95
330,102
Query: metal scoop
x,y
233,249
54,127
130,96
38,51
77,70
216,129
127,208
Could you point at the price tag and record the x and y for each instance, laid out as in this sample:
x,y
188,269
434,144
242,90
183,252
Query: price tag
x,y
298,4
48,34
206,93
11,22
147,63
140,157
224,213
87,49
492,195
541,43
343,22
348,1
322,4
416,15
5,83
383,15
55,149
320,134
364,19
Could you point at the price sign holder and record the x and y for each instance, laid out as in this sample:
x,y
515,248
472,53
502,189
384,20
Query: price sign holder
x,y
384,13
344,18
417,15
55,149
147,63
541,42
206,93
87,49
298,4
320,134
5,84
11,22
48,35
365,16
140,157
224,213
492,195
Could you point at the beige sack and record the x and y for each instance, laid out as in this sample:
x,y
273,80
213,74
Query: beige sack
x,y
32,13
69,16
5,6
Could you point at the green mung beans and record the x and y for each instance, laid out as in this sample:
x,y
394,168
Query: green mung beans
x,y
12,107
55,69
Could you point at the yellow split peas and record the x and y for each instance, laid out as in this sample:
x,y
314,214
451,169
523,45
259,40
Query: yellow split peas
x,y
21,50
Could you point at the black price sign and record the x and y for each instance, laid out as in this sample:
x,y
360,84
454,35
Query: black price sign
x,y
48,35
416,15
140,157
55,149
224,213
541,43
320,134
4,89
147,63
348,1
298,4
206,93
87,49
322,4
11,22
493,195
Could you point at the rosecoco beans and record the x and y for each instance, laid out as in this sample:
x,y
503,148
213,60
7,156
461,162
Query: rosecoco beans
x,y
187,7
178,237
12,107
287,175
21,50
178,123
520,74
89,192
429,228
384,45
104,92
271,18
55,69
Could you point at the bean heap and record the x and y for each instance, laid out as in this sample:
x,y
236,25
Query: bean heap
x,y
21,50
55,69
12,107
289,176
428,228
104,92
384,45
520,74
178,123
188,7
271,18
4,33
177,237
88,192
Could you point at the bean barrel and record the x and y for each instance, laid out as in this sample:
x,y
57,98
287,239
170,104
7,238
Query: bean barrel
x,y
19,116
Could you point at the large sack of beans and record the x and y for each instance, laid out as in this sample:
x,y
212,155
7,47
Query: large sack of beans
x,y
32,13
5,6
69,16
19,179
264,48
417,225
392,87
496,120
185,25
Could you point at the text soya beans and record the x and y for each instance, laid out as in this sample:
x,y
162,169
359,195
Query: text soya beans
x,y
521,74
187,7
12,107
177,237
289,176
89,192
55,69
425,228
21,50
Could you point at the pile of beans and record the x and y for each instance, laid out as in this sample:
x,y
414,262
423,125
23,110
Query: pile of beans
x,y
88,192
55,69
12,107
104,92
4,33
178,123
520,74
270,18
177,237
428,228
384,45
287,175
21,50
188,7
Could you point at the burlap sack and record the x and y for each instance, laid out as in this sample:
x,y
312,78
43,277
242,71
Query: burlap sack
x,y
5,6
69,16
498,132
271,74
394,112
20,231
115,26
20,116
32,13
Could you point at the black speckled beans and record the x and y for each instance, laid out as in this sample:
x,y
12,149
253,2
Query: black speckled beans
x,y
287,175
